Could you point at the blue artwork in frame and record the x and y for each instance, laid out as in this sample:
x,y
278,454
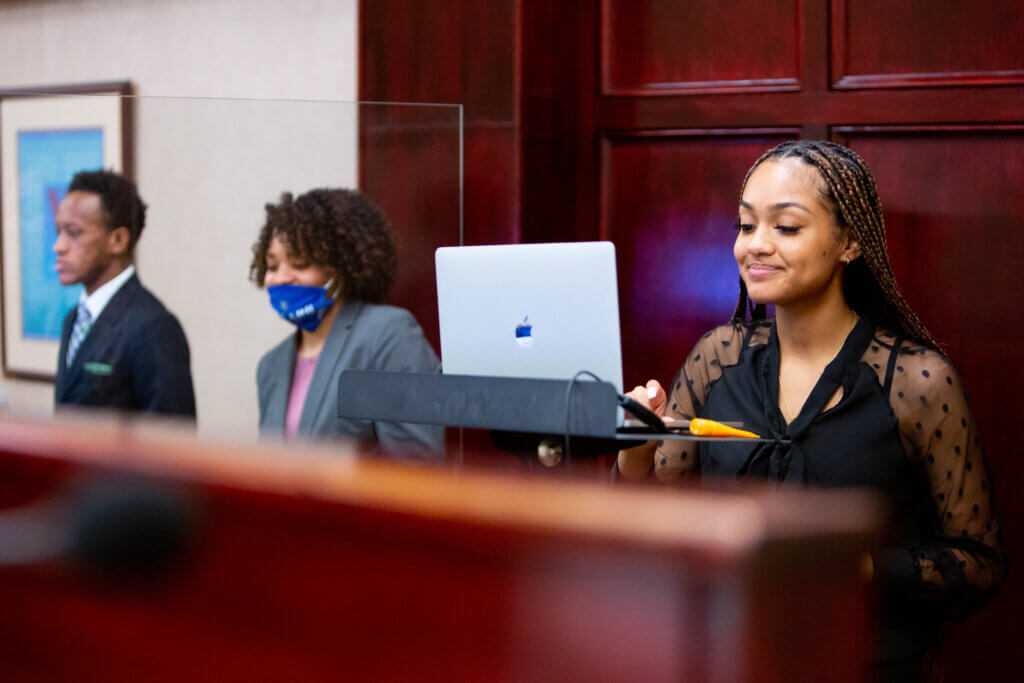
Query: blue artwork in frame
x,y
47,160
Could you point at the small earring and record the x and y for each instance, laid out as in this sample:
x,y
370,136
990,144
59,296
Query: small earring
x,y
845,261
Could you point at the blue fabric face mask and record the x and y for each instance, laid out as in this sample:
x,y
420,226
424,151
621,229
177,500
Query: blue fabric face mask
x,y
301,305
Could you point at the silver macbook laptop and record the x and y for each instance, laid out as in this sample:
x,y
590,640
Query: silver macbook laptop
x,y
530,310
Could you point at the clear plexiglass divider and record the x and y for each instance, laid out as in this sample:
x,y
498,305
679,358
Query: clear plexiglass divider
x,y
207,169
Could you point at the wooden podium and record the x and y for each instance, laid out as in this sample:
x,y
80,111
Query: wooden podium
x,y
311,564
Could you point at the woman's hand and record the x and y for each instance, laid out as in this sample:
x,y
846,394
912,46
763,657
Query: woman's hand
x,y
651,396
635,463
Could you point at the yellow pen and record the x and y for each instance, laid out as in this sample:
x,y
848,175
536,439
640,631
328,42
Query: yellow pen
x,y
702,427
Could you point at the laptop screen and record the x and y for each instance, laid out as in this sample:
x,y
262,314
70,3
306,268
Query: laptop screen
x,y
530,310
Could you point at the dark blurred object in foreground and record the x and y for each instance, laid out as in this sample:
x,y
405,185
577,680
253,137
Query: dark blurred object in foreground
x,y
316,565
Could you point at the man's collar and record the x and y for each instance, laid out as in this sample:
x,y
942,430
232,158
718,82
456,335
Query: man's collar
x,y
99,299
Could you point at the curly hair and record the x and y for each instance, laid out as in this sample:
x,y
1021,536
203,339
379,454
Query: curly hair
x,y
849,187
337,228
122,205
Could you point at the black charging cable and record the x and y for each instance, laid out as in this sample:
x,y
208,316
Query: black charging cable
x,y
568,409
635,408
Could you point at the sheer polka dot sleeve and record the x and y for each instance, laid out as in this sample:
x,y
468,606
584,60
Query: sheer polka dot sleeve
x,y
715,351
965,564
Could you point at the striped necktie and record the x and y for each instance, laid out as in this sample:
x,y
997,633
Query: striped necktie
x,y
82,324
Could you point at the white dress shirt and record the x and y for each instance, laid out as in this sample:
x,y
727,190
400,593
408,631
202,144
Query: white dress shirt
x,y
99,299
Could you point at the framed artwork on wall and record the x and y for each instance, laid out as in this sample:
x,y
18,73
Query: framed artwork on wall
x,y
46,136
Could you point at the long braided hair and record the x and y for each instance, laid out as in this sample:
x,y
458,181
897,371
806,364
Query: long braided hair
x,y
868,283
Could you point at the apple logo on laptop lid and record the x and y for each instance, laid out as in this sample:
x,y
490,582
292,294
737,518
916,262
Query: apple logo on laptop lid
x,y
524,334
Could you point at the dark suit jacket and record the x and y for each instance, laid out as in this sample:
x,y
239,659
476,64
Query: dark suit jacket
x,y
362,337
134,358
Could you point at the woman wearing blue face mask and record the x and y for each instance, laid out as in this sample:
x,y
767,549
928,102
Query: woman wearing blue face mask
x,y
328,259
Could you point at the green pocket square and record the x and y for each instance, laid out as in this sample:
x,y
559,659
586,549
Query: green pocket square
x,y
98,368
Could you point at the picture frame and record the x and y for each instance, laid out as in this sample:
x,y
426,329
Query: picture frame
x,y
47,134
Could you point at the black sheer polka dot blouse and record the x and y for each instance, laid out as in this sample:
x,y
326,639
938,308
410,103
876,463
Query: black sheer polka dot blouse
x,y
902,425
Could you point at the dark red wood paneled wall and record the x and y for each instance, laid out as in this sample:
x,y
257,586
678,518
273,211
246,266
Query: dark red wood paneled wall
x,y
457,52
635,120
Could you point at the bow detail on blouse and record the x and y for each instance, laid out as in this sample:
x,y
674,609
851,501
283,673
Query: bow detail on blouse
x,y
782,458
779,454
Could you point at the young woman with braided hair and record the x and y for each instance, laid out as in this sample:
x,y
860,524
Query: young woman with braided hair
x,y
850,387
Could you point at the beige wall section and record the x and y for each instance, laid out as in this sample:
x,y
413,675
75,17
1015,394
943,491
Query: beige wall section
x,y
192,156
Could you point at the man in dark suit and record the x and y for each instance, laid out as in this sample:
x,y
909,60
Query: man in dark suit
x,y
119,348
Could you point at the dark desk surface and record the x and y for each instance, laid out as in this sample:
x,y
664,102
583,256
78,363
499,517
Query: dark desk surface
x,y
315,564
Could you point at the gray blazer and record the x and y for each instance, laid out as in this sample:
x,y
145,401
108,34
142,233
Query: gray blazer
x,y
363,337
